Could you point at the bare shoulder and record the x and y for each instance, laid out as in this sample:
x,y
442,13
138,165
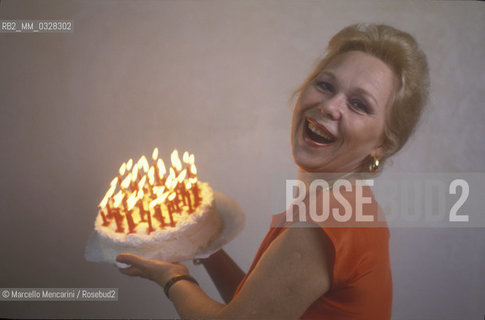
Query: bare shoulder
x,y
309,253
293,272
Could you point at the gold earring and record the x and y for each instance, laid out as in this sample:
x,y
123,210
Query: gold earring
x,y
374,165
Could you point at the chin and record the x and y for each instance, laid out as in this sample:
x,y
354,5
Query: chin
x,y
307,165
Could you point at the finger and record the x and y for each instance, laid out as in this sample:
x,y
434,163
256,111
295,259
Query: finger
x,y
133,272
132,260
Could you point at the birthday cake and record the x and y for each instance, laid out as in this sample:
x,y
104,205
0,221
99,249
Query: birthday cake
x,y
157,214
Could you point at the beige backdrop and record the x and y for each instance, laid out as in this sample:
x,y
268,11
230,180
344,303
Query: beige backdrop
x,y
214,78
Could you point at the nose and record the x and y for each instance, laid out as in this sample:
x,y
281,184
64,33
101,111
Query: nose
x,y
333,107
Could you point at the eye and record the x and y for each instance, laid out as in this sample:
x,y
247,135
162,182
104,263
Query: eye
x,y
359,106
324,86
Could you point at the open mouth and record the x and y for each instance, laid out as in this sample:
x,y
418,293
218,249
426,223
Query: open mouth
x,y
316,134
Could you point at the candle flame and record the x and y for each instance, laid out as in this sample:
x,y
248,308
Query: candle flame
x,y
131,201
161,168
188,185
141,194
114,181
118,197
122,169
129,164
143,163
134,173
185,157
104,202
111,190
171,182
171,196
193,169
151,175
176,160
159,200
126,183
192,159
160,191
182,175
142,182
155,154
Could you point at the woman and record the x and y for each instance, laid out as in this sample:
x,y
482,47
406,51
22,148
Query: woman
x,y
356,109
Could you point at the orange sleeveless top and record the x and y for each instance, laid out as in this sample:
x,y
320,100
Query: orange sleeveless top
x,y
361,286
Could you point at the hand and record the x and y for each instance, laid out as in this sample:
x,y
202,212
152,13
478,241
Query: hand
x,y
157,271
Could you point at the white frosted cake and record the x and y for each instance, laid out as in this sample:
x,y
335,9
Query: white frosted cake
x,y
169,218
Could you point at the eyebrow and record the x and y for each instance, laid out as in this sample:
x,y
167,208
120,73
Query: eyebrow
x,y
357,90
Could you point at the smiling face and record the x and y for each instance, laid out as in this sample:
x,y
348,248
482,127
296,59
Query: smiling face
x,y
339,118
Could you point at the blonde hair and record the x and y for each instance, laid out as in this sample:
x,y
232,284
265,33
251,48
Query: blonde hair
x,y
400,51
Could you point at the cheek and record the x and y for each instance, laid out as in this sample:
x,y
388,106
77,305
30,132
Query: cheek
x,y
366,137
294,120
309,98
297,116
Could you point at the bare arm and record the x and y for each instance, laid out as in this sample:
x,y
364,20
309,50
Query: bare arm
x,y
224,272
293,272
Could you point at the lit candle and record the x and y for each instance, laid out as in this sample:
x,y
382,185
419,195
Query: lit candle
x,y
176,164
120,198
129,164
143,163
155,165
195,191
143,212
156,205
185,159
171,208
121,173
193,170
189,202
135,177
129,214
191,165
103,206
141,183
117,215
181,185
125,184
151,182
161,171
113,183
155,155
140,205
150,226
109,214
173,186
158,214
171,179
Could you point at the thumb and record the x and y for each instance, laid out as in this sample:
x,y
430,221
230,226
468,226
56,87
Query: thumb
x,y
132,260
136,265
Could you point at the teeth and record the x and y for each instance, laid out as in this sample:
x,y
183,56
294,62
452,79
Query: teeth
x,y
318,131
